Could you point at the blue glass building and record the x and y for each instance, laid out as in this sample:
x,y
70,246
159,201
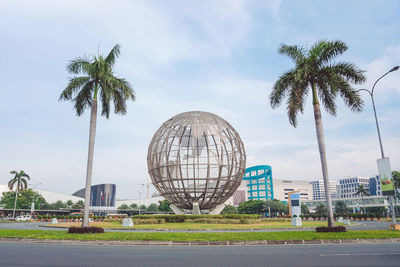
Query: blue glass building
x,y
259,182
375,186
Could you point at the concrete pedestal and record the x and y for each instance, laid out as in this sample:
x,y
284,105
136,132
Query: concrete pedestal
x,y
296,221
127,222
346,221
54,221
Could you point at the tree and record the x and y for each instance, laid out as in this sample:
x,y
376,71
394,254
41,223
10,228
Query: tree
x,y
152,207
164,205
229,209
98,81
314,71
79,204
321,209
21,181
70,203
396,179
304,209
134,206
25,198
362,191
341,207
124,207
252,207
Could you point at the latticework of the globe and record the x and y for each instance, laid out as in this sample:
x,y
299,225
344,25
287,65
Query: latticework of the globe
x,y
196,157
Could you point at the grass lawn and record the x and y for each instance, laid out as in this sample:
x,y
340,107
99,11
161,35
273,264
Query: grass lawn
x,y
197,225
227,236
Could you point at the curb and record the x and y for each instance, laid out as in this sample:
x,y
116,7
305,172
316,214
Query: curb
x,y
201,243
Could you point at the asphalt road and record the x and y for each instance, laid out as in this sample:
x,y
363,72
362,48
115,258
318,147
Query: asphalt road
x,y
366,225
25,254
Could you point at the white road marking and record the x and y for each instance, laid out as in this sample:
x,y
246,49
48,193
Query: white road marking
x,y
361,254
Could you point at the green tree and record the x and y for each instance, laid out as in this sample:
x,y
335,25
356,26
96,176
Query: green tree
x,y
252,207
20,179
152,207
79,204
229,209
98,81
25,198
164,205
124,207
134,206
304,209
143,207
341,207
69,203
314,71
396,179
321,209
362,191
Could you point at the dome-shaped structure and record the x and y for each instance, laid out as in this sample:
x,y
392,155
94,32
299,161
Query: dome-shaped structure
x,y
196,157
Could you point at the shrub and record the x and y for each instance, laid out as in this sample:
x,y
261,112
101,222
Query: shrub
x,y
148,221
326,229
85,230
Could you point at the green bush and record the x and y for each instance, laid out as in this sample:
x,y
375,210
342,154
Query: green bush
x,y
149,221
183,218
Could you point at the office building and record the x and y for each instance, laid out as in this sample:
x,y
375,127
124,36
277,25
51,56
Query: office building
x,y
319,189
283,187
348,186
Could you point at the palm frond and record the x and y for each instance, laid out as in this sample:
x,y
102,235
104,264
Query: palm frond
x,y
113,55
348,71
78,65
280,88
330,50
74,84
296,53
83,99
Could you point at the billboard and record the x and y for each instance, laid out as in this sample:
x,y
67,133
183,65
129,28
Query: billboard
x,y
385,176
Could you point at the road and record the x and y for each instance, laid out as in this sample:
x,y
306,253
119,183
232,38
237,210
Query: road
x,y
366,225
25,254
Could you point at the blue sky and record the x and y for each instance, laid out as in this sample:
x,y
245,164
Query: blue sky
x,y
217,56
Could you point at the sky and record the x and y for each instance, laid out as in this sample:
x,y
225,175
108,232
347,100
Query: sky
x,y
216,56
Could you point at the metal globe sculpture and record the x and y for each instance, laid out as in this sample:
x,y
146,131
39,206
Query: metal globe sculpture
x,y
196,157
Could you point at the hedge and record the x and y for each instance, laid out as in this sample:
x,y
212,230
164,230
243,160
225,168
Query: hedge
x,y
85,230
182,218
326,229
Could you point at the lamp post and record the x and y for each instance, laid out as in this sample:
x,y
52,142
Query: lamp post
x,y
371,93
33,199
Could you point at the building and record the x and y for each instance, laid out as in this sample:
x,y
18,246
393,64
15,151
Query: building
x,y
259,183
101,195
375,188
319,189
50,197
348,186
283,187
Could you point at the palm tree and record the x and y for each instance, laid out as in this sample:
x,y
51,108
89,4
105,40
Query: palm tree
x,y
314,71
21,181
362,191
98,82
396,179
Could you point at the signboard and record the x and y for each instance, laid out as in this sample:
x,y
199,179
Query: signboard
x,y
294,203
385,176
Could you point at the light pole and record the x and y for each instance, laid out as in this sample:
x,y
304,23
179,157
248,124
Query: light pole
x,y
371,93
33,199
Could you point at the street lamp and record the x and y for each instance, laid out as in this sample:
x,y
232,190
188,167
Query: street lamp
x,y
33,199
383,161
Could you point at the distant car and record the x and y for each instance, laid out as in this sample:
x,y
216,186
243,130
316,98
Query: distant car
x,y
24,218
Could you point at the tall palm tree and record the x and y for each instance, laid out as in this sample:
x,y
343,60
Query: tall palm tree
x,y
315,71
362,191
396,179
98,82
21,181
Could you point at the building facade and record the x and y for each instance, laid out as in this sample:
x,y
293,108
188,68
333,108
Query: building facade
x,y
101,195
348,186
259,183
319,189
375,188
283,187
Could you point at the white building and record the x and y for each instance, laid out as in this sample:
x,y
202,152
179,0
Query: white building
x,y
348,186
319,189
283,187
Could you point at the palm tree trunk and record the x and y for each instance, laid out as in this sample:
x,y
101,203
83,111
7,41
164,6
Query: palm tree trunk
x,y
324,164
92,134
15,202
